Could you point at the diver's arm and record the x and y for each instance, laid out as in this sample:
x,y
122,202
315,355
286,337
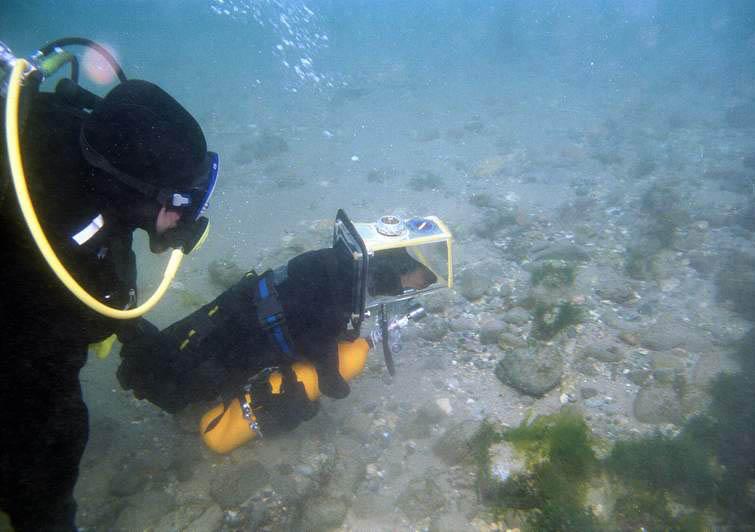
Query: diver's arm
x,y
197,358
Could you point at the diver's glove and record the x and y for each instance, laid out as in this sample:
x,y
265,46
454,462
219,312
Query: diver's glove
x,y
284,411
146,368
329,377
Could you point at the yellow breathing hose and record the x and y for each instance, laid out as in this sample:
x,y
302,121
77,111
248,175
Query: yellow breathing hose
x,y
22,193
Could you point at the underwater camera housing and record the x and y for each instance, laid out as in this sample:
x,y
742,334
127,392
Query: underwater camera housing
x,y
371,248
425,239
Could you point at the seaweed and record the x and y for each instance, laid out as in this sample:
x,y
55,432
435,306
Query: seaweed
x,y
645,510
558,451
551,320
708,467
661,464
553,274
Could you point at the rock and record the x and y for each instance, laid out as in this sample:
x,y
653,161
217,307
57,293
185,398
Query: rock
x,y
638,376
562,251
586,392
658,403
211,519
421,498
604,352
323,513
454,445
444,403
614,287
629,337
508,341
532,371
184,461
144,510
421,424
491,167
315,464
188,516
504,463
437,302
128,482
97,514
703,262
692,237
707,368
462,324
516,316
735,283
433,329
348,471
665,360
432,412
473,283
358,427
668,333
242,482
225,273
449,522
490,330
493,220
365,505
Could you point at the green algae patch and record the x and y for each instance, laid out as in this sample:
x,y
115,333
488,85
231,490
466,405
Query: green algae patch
x,y
699,478
553,274
640,484
557,450
659,464
551,320
645,510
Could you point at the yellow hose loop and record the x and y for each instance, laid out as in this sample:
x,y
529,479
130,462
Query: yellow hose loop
x,y
24,200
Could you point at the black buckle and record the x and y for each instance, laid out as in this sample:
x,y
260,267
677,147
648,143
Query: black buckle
x,y
270,313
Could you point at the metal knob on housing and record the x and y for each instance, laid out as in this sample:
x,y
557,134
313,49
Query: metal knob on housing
x,y
390,225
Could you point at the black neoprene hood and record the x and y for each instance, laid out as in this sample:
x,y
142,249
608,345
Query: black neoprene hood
x,y
143,131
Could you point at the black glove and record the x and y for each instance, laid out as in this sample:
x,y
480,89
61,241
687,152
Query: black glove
x,y
329,377
285,411
145,367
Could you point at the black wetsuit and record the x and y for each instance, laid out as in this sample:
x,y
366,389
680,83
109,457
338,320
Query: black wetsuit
x,y
44,330
216,349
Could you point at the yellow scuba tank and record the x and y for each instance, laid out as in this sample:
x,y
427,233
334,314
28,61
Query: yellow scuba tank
x,y
226,427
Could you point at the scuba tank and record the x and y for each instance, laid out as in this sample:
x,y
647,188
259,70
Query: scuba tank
x,y
230,425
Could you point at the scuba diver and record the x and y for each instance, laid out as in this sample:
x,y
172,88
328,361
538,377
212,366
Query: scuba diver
x,y
93,170
306,313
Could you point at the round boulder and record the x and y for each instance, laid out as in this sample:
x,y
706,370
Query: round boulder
x,y
532,371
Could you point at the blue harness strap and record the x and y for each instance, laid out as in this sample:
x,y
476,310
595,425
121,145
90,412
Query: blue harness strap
x,y
271,317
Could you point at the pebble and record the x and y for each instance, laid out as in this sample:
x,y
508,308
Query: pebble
x,y
444,403
587,392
